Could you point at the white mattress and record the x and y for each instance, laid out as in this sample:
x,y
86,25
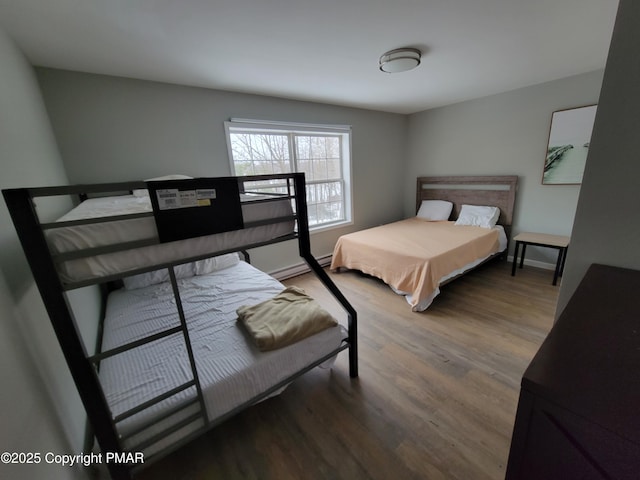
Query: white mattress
x,y
426,303
230,368
68,239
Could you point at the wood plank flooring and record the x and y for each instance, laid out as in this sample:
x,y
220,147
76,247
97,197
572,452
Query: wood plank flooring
x,y
436,396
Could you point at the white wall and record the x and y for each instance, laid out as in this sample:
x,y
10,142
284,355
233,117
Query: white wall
x,y
607,223
113,129
504,134
40,410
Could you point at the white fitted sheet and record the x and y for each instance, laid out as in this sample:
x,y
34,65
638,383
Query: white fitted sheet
x,y
230,368
68,239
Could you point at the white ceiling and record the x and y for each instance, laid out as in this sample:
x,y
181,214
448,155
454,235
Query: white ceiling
x,y
322,50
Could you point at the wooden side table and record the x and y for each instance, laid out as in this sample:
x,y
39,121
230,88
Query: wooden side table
x,y
542,240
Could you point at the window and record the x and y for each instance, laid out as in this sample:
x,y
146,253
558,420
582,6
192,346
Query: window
x,y
321,152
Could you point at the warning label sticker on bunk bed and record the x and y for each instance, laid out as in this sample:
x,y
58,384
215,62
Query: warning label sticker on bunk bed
x,y
174,198
195,207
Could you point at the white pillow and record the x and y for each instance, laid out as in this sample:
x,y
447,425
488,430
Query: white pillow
x,y
213,264
143,192
478,216
185,270
435,210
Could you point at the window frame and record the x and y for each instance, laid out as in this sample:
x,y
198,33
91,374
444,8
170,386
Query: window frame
x,y
301,129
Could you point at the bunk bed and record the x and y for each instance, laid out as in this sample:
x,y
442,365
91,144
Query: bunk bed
x,y
461,222
174,358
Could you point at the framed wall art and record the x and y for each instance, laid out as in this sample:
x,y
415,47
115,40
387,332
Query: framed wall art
x,y
569,137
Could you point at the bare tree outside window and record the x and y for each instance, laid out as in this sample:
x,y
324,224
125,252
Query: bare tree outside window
x,y
321,156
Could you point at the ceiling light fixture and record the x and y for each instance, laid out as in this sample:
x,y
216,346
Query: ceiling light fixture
x,y
400,60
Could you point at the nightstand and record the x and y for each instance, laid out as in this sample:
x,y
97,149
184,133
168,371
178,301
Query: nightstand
x,y
559,242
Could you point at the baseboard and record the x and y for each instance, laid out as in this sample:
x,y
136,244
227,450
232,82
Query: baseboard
x,y
535,263
300,268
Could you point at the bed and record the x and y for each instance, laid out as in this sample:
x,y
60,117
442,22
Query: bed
x,y
231,368
417,255
180,342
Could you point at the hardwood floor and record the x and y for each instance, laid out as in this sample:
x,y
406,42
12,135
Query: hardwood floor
x,y
436,396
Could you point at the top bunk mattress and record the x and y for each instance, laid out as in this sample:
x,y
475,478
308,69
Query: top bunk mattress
x,y
95,235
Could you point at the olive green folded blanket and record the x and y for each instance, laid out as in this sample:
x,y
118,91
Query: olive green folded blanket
x,y
288,317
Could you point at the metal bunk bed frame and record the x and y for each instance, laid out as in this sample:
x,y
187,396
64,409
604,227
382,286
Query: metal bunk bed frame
x,y
84,367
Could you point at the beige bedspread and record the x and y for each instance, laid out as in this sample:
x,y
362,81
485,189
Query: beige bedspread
x,y
284,319
413,255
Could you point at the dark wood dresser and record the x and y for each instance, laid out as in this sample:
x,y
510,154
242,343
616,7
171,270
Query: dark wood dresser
x,y
579,410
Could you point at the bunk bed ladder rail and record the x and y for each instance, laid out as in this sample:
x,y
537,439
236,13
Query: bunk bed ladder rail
x,y
182,329
304,245
31,236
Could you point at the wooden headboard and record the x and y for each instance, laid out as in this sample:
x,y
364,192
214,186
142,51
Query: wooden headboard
x,y
498,191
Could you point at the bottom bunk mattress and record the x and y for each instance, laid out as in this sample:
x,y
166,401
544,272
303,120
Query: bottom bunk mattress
x,y
232,371
415,256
